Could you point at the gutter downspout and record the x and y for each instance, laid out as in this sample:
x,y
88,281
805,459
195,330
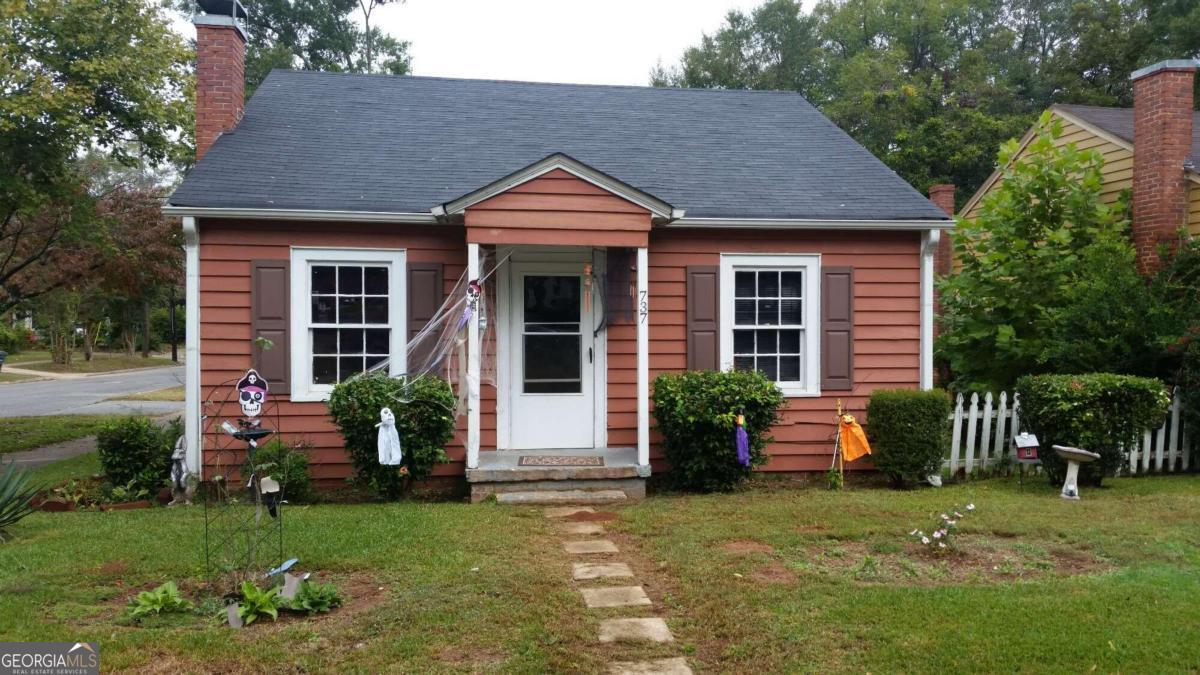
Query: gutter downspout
x,y
929,246
191,428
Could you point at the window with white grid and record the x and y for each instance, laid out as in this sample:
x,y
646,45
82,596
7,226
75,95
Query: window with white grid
x,y
769,318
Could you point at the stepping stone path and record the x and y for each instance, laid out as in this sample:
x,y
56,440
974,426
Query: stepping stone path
x,y
615,630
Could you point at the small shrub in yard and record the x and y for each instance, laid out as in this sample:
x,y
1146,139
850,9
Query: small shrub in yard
x,y
164,599
941,536
696,412
258,602
909,432
424,409
1100,412
16,496
135,452
286,463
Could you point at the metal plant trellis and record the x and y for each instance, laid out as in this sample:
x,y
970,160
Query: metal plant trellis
x,y
243,514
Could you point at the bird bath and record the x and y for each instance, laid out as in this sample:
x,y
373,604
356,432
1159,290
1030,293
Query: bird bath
x,y
1074,457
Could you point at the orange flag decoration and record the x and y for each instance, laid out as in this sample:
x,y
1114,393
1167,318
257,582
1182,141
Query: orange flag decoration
x,y
853,438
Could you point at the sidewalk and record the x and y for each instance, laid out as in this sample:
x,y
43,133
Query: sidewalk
x,y
56,452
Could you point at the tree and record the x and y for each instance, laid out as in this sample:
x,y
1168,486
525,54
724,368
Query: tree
x,y
932,87
1042,264
76,74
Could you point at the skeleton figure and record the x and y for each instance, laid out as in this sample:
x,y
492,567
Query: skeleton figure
x,y
252,390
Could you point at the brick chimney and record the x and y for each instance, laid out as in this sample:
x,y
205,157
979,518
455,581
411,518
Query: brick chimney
x,y
942,195
1162,143
220,70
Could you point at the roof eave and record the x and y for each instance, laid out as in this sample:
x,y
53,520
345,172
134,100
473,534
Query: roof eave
x,y
301,214
813,224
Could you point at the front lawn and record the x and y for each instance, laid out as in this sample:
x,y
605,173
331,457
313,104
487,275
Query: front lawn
x,y
165,394
786,580
28,433
10,378
773,579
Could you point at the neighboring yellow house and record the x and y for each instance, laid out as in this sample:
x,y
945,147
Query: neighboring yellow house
x,y
1109,131
1167,159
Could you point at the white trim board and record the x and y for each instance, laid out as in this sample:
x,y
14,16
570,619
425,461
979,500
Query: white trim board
x,y
808,224
302,214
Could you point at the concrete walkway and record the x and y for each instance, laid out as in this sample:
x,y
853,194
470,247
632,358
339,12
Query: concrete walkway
x,y
616,630
31,459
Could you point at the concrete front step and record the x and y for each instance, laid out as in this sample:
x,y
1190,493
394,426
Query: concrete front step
x,y
549,496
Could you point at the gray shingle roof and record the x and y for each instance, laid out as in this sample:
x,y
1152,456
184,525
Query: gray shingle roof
x,y
331,141
1119,123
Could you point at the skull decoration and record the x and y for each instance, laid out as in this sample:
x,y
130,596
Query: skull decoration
x,y
252,393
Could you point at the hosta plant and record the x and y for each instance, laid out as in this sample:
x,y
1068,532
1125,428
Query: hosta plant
x,y
164,599
314,598
258,602
16,496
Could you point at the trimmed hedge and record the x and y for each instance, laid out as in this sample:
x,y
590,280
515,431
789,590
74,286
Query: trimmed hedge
x,y
909,432
139,450
425,425
1101,412
288,464
696,412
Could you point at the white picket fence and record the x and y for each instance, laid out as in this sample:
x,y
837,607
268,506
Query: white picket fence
x,y
982,437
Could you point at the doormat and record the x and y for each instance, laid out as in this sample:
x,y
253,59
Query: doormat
x,y
560,460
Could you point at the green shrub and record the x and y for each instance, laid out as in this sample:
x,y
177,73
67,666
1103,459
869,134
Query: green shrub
x,y
258,602
16,496
1101,412
314,598
135,452
13,340
425,424
286,463
696,413
909,432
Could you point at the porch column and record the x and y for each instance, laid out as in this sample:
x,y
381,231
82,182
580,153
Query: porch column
x,y
643,359
929,246
473,366
191,352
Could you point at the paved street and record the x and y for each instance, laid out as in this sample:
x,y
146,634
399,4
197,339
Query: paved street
x,y
86,395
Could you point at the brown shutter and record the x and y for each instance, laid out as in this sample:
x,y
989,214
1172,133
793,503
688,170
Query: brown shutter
x,y
425,294
837,328
269,302
703,316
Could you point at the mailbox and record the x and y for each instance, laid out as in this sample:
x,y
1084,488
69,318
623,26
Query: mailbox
x,y
1025,448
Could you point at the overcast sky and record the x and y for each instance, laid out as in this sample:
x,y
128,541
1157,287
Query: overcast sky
x,y
585,41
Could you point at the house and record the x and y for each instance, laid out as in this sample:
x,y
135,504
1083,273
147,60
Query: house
x,y
750,229
1151,150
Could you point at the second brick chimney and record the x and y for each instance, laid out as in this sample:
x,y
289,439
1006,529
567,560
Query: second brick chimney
x,y
942,195
220,70
1162,143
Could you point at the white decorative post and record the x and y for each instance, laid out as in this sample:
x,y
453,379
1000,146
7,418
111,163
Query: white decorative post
x,y
473,366
643,360
929,245
191,351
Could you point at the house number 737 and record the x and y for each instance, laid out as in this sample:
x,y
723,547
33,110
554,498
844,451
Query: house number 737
x,y
643,307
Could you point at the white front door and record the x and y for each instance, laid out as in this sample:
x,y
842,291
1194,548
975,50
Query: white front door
x,y
553,357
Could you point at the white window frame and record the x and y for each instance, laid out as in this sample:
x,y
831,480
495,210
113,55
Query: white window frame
x,y
303,259
810,265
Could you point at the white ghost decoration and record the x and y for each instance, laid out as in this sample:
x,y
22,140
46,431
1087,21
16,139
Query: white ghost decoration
x,y
389,439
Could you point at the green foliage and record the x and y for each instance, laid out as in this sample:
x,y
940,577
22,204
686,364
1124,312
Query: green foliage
x,y
1100,412
1040,265
136,452
258,602
425,424
129,492
1177,296
696,412
314,598
933,87
909,432
13,339
286,463
164,599
16,496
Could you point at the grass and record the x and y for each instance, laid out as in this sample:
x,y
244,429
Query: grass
x,y
26,357
167,394
8,378
27,433
1040,584
58,473
100,363
1107,584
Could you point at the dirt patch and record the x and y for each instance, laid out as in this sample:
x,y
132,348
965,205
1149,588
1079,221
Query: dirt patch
x,y
975,559
113,568
475,657
774,574
360,594
586,516
747,546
